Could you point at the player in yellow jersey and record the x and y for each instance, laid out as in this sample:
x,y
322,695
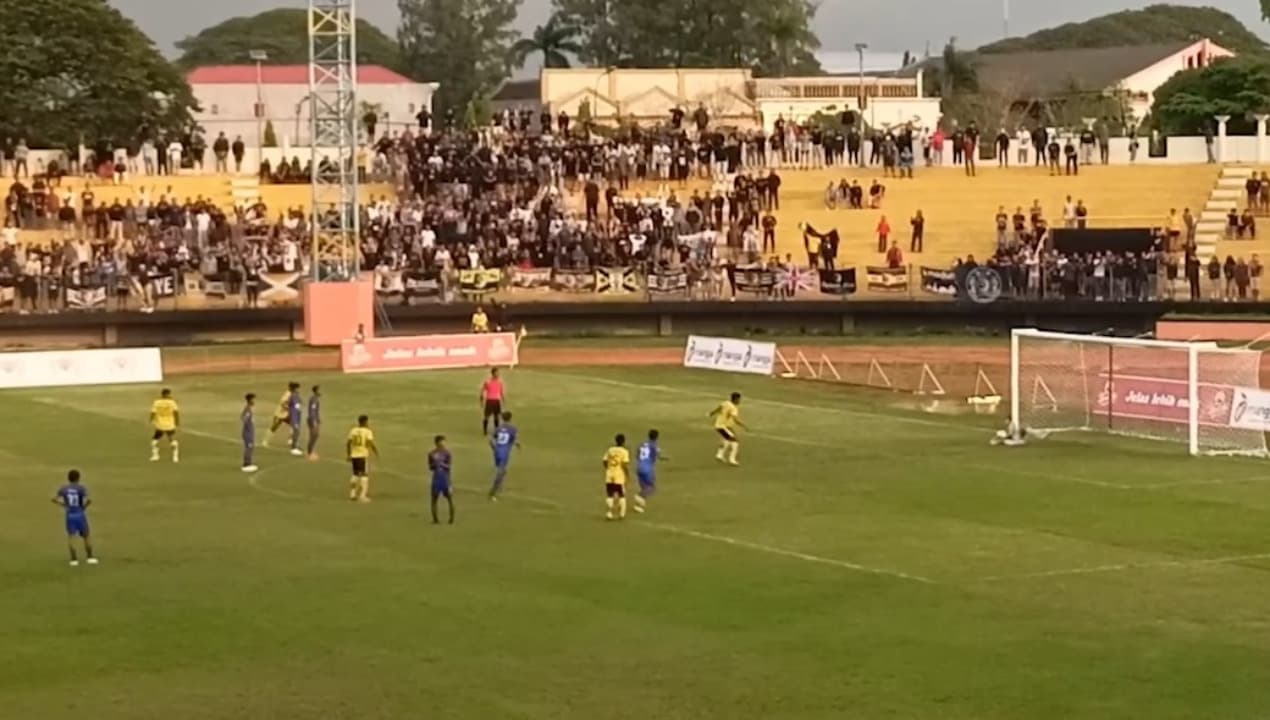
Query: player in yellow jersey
x,y
727,418
360,446
165,418
617,469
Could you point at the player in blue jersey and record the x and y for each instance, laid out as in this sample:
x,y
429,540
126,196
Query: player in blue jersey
x,y
315,420
73,497
505,438
439,463
646,469
248,420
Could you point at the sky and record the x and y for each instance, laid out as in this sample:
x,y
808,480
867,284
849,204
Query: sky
x,y
840,24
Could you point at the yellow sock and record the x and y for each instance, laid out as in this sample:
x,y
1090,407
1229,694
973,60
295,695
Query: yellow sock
x,y
621,507
353,485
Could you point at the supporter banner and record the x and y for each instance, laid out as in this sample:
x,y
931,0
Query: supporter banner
x,y
939,281
280,287
531,278
429,352
86,298
667,283
795,279
390,282
755,280
162,286
1250,409
887,279
615,281
838,282
8,293
422,284
214,287
579,281
729,355
1137,397
80,367
479,282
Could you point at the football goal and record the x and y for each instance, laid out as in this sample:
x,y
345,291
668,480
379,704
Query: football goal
x,y
1194,393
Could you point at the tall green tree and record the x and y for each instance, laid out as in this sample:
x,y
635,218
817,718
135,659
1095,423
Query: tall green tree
x,y
771,37
462,44
1239,87
284,35
63,82
556,41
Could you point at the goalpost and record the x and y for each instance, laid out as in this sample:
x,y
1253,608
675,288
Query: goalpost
x,y
1197,393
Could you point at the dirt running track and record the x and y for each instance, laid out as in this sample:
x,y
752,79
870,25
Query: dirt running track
x,y
956,367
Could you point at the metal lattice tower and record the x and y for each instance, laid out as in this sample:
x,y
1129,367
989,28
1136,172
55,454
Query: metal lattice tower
x,y
333,141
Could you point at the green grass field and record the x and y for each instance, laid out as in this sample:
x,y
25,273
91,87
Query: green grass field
x,y
864,562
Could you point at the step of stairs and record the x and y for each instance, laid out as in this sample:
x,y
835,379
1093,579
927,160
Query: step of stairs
x,y
244,191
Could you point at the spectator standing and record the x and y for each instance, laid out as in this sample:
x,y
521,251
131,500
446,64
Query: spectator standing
x,y
21,155
917,244
884,234
220,149
238,149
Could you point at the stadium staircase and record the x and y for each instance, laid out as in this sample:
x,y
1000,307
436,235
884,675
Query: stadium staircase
x,y
1230,191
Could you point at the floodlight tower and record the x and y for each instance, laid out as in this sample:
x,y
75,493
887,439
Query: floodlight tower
x,y
333,141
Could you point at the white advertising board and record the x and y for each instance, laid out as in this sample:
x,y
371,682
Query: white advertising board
x,y
62,368
729,355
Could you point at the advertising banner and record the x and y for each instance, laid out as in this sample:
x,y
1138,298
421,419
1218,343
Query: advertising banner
x,y
429,352
1136,397
729,355
1250,409
66,368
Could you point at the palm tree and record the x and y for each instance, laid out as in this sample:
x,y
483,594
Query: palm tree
x,y
556,40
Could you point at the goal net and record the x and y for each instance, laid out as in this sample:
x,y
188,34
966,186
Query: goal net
x,y
1194,393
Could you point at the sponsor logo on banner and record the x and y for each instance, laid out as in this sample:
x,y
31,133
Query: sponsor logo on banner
x,y
729,355
579,281
1250,409
531,278
939,281
429,352
616,281
838,282
80,367
755,280
887,279
666,283
984,285
1162,399
479,282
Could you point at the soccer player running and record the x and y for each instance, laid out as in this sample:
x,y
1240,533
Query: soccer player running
x,y
617,467
248,420
73,497
359,447
165,418
505,439
440,462
288,413
315,420
727,418
646,458
493,394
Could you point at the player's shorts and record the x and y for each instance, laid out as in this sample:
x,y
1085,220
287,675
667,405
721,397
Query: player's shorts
x,y
493,408
359,466
726,434
614,490
440,486
77,525
647,482
502,461
160,434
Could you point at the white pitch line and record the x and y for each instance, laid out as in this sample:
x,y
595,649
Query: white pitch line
x,y
1127,566
253,482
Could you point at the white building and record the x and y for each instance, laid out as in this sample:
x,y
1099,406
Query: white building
x,y
227,96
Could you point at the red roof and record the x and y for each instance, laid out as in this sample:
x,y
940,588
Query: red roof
x,y
284,75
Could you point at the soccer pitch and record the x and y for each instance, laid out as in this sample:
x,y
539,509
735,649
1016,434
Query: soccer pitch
x,y
863,562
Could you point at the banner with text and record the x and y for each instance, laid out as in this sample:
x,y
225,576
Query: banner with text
x,y
80,367
479,282
429,352
573,280
887,279
755,280
938,281
838,282
1136,397
670,282
531,278
729,355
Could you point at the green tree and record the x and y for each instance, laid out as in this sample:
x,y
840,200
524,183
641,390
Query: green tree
x,y
462,44
284,35
770,37
63,83
1238,87
556,41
